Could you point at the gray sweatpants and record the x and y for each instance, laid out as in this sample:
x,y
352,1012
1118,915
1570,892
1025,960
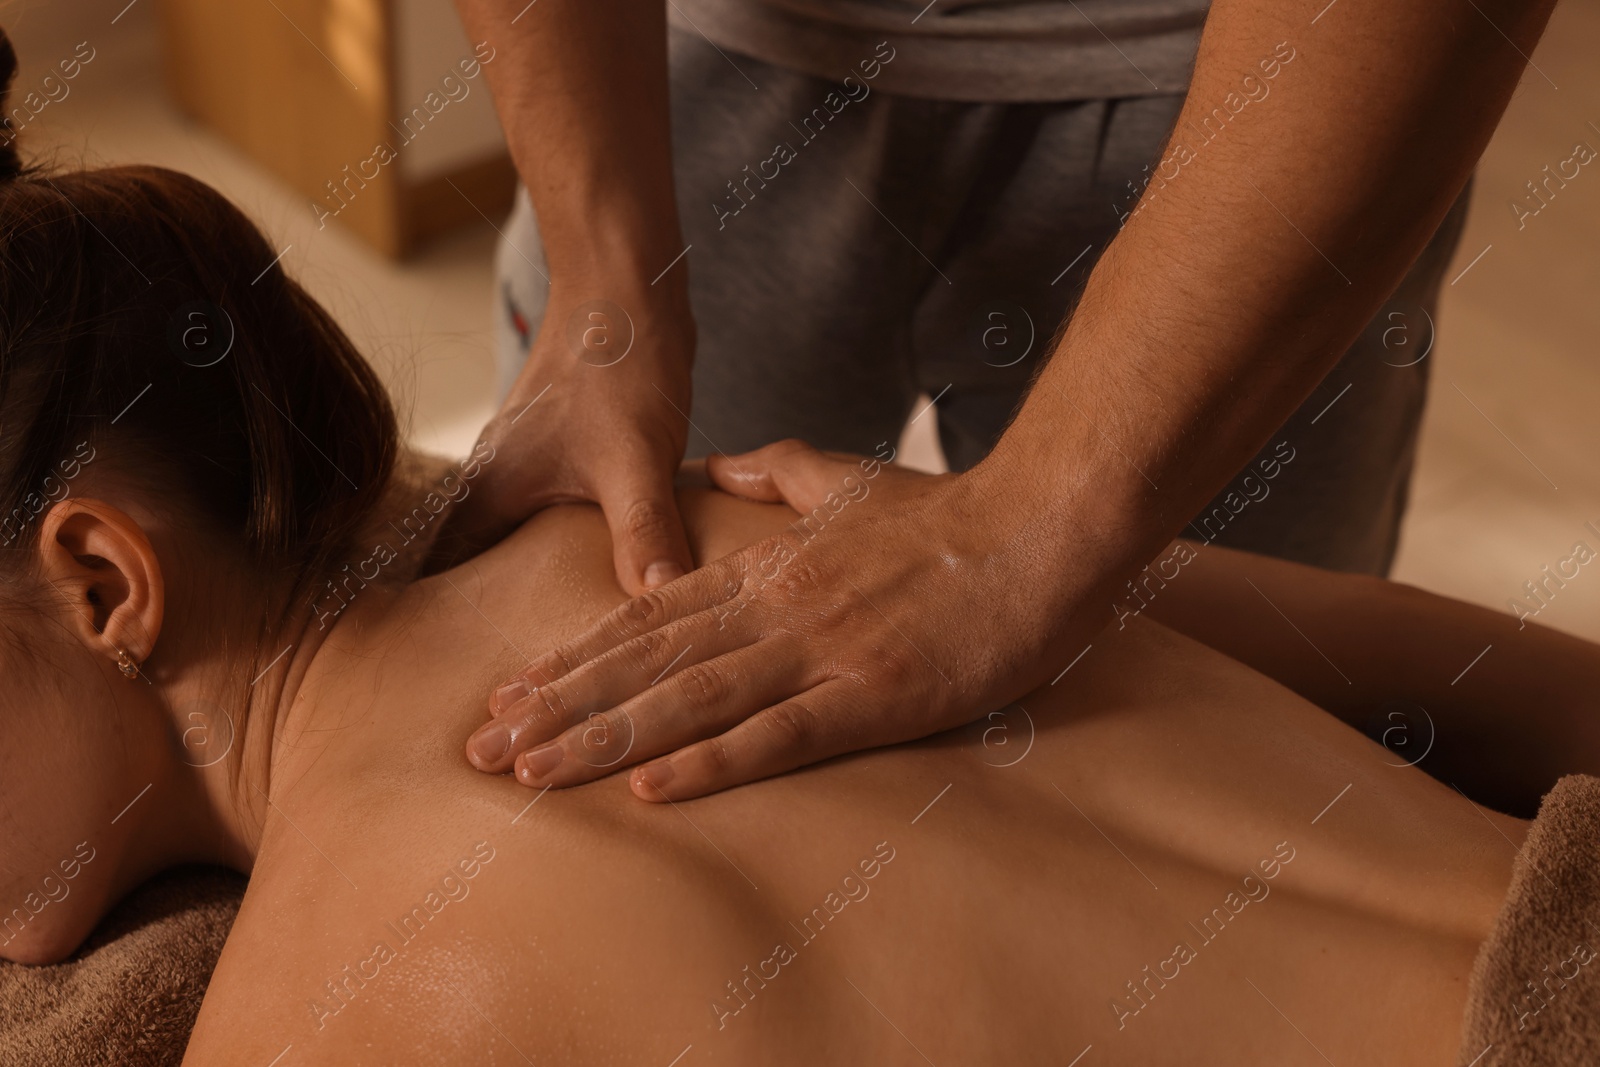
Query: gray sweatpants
x,y
902,246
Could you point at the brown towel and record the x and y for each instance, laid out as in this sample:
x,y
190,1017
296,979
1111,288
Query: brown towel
x,y
130,995
1534,1000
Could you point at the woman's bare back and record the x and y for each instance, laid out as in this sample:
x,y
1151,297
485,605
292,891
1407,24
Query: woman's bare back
x,y
1165,858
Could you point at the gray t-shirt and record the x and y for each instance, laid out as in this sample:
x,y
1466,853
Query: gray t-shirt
x,y
974,50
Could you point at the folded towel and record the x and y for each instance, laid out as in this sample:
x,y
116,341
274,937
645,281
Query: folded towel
x,y
130,995
1534,999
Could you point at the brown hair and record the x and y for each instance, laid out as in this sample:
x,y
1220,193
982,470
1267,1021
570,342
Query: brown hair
x,y
144,318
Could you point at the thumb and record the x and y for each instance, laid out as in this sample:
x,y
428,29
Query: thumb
x,y
649,546
790,472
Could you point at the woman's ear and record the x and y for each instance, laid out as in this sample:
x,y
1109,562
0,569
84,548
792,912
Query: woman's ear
x,y
105,569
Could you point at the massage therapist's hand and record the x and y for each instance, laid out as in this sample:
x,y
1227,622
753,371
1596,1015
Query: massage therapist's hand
x,y
921,603
599,414
894,609
582,93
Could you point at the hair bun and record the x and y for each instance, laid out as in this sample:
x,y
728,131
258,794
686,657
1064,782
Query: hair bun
x,y
10,161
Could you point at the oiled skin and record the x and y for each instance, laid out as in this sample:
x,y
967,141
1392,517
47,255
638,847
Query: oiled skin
x,y
1013,911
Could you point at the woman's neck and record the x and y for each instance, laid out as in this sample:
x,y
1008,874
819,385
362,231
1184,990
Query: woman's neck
x,y
232,715
245,722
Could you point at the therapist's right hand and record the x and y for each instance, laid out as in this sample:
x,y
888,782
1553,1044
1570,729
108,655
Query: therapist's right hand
x,y
599,413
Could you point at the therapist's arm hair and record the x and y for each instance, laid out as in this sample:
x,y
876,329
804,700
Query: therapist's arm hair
x,y
1510,705
1253,261
581,90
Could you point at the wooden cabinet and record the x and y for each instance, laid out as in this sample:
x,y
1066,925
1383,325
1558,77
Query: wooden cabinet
x,y
377,111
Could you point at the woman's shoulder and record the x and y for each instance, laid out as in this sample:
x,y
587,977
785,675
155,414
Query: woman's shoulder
x,y
715,522
718,523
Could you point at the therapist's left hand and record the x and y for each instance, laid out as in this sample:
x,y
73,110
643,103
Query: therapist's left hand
x,y
908,605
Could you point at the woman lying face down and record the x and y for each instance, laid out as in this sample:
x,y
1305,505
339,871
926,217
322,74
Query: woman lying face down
x,y
219,650
182,447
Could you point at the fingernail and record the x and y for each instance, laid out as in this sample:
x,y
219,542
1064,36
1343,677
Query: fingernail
x,y
489,745
509,694
655,775
540,762
661,573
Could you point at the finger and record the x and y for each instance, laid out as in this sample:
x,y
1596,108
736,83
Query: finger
x,y
712,589
608,681
698,702
648,543
790,472
800,731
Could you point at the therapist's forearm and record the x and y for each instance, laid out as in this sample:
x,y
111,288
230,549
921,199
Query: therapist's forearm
x,y
582,95
1243,277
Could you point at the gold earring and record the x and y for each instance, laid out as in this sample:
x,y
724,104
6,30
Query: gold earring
x,y
127,665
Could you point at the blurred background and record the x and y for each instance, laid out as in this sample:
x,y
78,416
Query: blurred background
x,y
270,100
